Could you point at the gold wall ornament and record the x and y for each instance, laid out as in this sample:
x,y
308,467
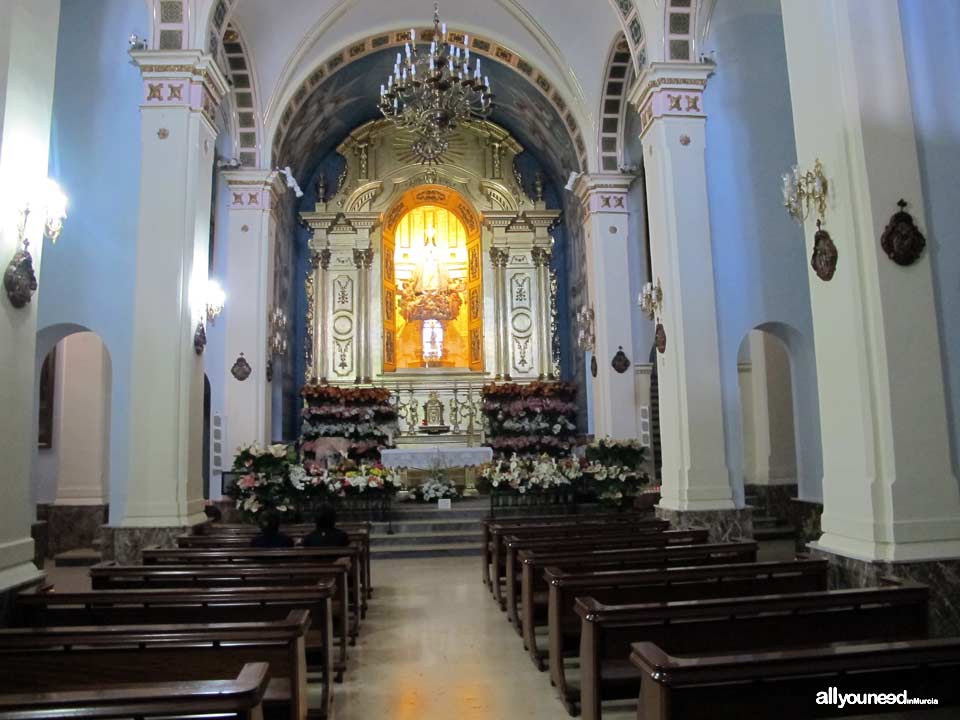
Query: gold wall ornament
x,y
805,191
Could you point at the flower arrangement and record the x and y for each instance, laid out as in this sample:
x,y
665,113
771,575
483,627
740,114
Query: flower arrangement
x,y
613,471
532,419
436,489
530,474
264,485
363,417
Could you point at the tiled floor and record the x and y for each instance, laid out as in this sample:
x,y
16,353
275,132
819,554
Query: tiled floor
x,y
436,647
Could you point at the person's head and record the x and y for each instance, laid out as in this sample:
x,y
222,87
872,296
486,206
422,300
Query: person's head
x,y
270,524
213,512
326,517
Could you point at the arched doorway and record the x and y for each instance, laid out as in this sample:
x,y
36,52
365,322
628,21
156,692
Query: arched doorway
x,y
71,468
769,434
432,282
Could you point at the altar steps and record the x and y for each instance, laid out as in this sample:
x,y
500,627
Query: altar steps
x,y
425,531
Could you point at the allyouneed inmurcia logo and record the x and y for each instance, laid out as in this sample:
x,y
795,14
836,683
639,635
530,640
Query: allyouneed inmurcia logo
x,y
833,696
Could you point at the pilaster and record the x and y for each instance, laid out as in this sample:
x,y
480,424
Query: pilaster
x,y
181,90
607,232
254,197
28,36
889,491
669,97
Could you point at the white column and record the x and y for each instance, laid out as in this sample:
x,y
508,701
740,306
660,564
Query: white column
x,y
498,259
541,261
669,97
888,488
181,90
248,286
363,260
28,50
83,376
322,342
604,199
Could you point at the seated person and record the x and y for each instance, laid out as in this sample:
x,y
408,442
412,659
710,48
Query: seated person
x,y
213,512
270,535
327,533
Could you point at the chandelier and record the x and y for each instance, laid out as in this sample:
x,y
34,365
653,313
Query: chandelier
x,y
431,92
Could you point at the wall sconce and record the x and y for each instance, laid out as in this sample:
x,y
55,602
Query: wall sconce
x,y
651,299
20,279
215,298
803,191
278,332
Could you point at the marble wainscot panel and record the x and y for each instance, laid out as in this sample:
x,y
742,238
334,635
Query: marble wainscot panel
x,y
125,544
773,499
941,576
73,526
804,516
723,525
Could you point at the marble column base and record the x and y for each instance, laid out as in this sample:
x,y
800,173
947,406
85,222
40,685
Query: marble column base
x,y
774,499
722,525
125,544
804,516
40,533
941,576
73,526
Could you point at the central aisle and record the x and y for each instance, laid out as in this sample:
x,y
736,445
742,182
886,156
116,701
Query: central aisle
x,y
434,646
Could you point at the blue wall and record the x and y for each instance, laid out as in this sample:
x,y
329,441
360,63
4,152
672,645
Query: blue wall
x,y
758,252
930,30
87,278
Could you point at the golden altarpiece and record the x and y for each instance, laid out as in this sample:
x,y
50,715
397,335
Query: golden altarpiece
x,y
430,280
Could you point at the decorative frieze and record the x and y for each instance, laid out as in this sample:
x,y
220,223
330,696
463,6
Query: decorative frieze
x,y
187,79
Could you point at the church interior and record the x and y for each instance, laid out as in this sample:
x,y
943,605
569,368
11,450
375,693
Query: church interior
x,y
649,305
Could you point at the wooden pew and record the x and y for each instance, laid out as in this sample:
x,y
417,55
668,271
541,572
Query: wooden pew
x,y
44,607
52,659
111,576
240,698
580,529
784,684
357,531
486,546
533,562
598,540
770,622
658,585
262,556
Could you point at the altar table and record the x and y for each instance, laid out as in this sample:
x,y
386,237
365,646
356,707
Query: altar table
x,y
435,458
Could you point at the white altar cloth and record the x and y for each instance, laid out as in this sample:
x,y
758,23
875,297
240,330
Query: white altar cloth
x,y
435,458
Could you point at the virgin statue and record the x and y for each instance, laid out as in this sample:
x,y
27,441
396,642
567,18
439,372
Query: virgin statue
x,y
431,276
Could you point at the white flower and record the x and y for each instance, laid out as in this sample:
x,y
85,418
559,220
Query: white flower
x,y
279,450
298,476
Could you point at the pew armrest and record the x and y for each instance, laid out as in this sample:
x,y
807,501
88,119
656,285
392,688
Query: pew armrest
x,y
167,698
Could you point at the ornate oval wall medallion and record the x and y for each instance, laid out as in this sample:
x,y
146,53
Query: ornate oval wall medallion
x,y
19,280
593,365
199,339
824,258
241,368
660,339
902,241
620,362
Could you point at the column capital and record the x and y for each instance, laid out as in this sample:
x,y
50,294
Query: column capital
x,y
603,192
670,90
254,188
181,78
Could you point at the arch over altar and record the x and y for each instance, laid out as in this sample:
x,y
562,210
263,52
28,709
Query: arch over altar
x,y
382,278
